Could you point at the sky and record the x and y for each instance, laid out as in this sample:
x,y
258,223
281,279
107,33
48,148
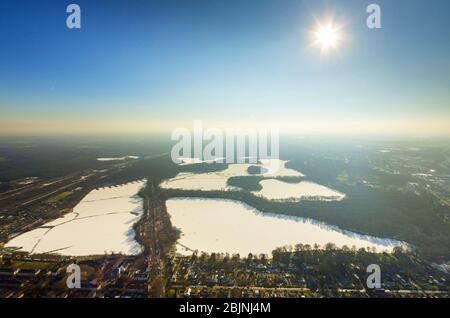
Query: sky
x,y
145,66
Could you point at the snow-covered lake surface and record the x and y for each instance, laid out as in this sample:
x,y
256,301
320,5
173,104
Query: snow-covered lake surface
x,y
185,161
118,159
216,181
102,222
273,189
228,226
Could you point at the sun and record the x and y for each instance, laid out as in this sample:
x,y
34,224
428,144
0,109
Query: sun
x,y
327,36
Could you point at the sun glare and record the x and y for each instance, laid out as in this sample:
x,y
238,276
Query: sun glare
x,y
326,36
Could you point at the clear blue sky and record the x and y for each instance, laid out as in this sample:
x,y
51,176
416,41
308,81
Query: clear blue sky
x,y
164,61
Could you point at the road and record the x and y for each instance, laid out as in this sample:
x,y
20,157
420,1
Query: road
x,y
32,193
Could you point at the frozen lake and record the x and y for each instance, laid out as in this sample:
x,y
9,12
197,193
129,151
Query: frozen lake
x,y
227,226
101,223
216,181
273,189
118,159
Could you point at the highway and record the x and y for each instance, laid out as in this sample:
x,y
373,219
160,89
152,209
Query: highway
x,y
25,196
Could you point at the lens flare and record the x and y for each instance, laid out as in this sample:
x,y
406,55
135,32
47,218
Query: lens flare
x,y
327,36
